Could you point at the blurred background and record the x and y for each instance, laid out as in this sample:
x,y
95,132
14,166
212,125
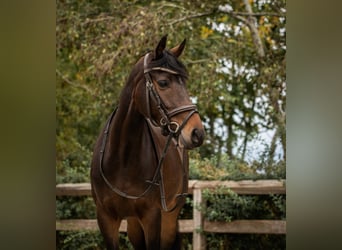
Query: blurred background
x,y
237,77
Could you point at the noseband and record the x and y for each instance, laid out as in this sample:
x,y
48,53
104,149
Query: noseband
x,y
166,116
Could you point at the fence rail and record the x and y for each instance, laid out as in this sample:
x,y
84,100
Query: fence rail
x,y
198,224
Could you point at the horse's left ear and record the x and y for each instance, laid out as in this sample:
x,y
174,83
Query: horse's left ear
x,y
160,48
177,51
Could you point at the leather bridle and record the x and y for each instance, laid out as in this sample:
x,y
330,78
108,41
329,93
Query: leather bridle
x,y
166,116
173,130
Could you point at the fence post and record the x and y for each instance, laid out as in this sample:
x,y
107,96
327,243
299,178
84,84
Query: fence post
x,y
198,240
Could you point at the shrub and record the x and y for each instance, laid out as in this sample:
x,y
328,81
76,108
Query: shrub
x,y
222,204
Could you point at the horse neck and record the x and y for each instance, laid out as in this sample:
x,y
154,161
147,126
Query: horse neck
x,y
128,127
129,132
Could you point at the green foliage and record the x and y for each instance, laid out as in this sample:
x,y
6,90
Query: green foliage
x,y
233,169
90,240
79,240
206,169
223,204
75,208
245,241
97,43
220,204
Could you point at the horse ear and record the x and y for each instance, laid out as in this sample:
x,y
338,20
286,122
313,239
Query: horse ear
x,y
160,48
177,51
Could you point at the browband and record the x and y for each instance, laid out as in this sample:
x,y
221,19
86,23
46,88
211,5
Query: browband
x,y
161,69
147,70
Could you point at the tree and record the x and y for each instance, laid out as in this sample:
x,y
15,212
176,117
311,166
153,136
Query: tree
x,y
235,56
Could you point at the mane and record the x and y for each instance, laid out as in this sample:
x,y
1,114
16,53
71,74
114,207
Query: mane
x,y
136,74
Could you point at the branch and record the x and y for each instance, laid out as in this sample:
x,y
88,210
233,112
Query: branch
x,y
100,19
251,21
191,16
75,85
168,4
198,61
235,14
253,14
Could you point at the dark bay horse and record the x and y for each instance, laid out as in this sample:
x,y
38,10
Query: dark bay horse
x,y
139,170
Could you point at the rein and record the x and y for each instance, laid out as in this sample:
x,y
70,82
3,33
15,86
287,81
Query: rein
x,y
173,129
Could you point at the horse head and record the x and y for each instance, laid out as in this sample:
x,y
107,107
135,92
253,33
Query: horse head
x,y
166,102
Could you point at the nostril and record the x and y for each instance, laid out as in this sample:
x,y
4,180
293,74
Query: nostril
x,y
197,137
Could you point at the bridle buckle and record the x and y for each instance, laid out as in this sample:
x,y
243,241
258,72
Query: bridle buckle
x,y
163,122
170,127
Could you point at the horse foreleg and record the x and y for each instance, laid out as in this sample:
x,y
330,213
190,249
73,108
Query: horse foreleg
x,y
135,233
109,227
151,222
170,237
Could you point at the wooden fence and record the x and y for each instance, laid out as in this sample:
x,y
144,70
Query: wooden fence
x,y
198,224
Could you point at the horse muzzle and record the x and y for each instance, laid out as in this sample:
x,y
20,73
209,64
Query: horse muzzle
x,y
192,135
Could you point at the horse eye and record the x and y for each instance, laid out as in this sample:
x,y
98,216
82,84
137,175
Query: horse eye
x,y
163,83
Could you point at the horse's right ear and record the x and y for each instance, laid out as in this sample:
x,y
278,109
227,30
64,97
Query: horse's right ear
x,y
160,48
177,51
